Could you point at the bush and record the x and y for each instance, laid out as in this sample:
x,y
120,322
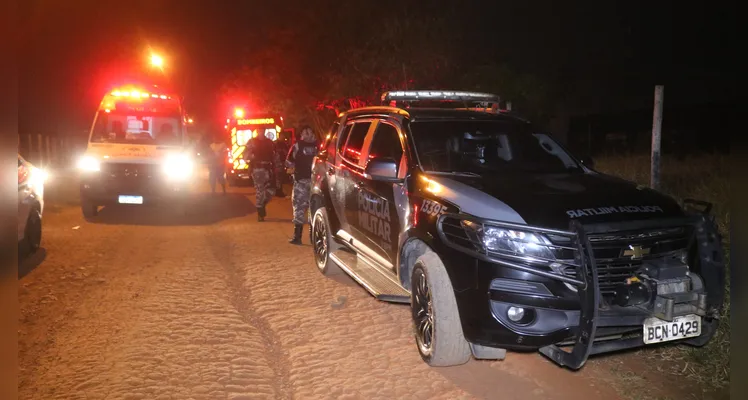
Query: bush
x,y
703,178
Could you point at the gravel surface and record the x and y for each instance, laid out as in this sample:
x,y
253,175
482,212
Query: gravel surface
x,y
145,304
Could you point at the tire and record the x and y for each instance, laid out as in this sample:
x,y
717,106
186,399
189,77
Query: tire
x,y
436,320
323,243
89,210
32,236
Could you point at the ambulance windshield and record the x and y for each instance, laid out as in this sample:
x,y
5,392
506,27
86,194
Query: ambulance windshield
x,y
128,127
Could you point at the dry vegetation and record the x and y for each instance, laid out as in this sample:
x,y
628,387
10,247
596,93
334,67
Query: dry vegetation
x,y
704,178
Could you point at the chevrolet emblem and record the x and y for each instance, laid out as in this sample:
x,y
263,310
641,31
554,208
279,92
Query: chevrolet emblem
x,y
636,252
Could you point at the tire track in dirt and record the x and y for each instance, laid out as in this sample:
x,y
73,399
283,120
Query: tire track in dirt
x,y
241,298
159,324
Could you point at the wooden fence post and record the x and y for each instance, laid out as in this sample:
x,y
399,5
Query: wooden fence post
x,y
654,180
39,149
48,151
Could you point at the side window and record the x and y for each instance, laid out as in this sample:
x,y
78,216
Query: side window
x,y
344,137
352,151
386,143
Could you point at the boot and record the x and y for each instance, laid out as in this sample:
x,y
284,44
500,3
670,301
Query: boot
x,y
297,229
261,214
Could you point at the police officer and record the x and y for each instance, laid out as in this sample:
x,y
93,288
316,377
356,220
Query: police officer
x,y
282,146
261,153
299,159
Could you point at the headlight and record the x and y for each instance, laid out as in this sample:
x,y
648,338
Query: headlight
x,y
178,166
510,241
37,177
88,163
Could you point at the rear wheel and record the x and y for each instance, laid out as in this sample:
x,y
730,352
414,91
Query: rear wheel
x,y
323,243
89,209
436,320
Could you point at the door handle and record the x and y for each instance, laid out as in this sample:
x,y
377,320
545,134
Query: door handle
x,y
358,185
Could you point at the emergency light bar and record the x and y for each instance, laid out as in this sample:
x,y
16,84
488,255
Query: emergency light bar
x,y
415,95
134,94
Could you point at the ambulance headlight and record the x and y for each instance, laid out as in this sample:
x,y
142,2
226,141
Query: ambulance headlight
x,y
178,166
89,163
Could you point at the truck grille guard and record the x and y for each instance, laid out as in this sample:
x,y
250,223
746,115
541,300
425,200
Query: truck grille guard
x,y
586,278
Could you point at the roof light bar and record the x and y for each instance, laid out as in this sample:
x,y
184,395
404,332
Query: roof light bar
x,y
137,93
414,95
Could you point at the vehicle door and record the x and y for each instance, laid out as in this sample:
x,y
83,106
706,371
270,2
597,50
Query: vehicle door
x,y
351,171
383,205
329,169
338,176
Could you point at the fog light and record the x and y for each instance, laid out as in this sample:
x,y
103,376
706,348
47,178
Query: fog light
x,y
515,314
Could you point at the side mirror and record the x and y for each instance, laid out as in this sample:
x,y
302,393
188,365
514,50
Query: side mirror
x,y
382,169
588,162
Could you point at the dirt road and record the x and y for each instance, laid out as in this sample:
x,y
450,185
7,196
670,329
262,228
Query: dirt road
x,y
144,304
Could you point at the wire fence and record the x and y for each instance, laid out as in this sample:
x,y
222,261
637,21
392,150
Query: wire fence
x,y
48,150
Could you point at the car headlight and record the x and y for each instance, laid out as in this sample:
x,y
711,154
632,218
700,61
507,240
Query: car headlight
x,y
89,163
511,241
178,166
37,177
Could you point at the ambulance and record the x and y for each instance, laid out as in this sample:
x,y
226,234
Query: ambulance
x,y
241,128
138,152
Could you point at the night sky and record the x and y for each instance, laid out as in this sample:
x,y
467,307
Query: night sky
x,y
611,54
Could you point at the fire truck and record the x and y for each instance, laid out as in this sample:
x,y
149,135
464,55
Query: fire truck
x,y
241,128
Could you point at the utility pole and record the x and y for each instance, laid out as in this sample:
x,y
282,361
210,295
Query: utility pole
x,y
654,180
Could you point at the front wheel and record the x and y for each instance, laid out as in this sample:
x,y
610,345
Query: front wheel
x,y
89,209
32,236
436,319
323,243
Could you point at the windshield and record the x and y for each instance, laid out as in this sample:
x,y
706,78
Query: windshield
x,y
482,147
137,128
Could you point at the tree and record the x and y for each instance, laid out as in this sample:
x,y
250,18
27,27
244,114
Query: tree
x,y
530,96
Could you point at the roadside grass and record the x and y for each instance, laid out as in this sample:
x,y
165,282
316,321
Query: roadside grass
x,y
704,177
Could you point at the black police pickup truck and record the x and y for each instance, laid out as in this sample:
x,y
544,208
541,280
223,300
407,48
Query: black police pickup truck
x,y
499,238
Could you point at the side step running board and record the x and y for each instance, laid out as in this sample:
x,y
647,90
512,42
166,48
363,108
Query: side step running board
x,y
376,282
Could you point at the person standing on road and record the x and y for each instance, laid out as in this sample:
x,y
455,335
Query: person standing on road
x,y
282,145
299,159
217,165
261,153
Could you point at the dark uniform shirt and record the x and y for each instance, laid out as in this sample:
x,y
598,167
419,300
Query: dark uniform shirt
x,y
300,157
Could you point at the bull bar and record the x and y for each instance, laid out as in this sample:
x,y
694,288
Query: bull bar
x,y
709,256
